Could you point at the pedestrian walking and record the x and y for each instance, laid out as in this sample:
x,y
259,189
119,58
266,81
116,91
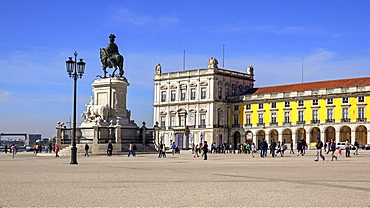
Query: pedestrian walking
x,y
6,149
131,150
13,149
332,149
173,147
254,150
348,149
319,146
161,150
291,148
205,150
357,145
109,149
87,150
197,150
56,148
273,147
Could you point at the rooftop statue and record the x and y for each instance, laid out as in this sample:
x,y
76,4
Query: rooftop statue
x,y
110,58
212,63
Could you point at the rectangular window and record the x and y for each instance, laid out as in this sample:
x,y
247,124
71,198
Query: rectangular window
x,y
329,101
287,104
273,118
361,113
173,95
183,94
345,113
248,106
236,107
315,102
182,120
260,118
260,106
203,120
219,93
236,120
234,92
300,116
300,103
286,117
203,93
163,121
226,92
248,119
329,114
315,116
345,100
361,99
273,105
192,94
163,96
172,121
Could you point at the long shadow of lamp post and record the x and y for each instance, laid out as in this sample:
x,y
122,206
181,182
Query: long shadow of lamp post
x,y
75,70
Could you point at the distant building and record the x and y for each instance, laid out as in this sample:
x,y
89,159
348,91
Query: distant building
x,y
221,105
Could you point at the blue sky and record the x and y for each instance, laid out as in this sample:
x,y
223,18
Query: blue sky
x,y
37,37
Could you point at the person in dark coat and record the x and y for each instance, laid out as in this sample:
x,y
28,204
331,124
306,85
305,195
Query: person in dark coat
x,y
109,149
205,150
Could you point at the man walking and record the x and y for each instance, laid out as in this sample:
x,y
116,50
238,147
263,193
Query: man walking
x,y
319,146
87,150
205,150
273,147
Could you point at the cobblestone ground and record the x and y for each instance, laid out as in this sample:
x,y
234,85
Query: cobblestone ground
x,y
224,180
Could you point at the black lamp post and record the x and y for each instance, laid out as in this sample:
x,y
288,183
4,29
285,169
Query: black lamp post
x,y
75,70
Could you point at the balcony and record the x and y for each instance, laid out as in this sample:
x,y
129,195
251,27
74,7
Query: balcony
x,y
301,122
201,126
274,123
287,123
330,121
345,120
361,119
260,124
248,125
235,125
315,121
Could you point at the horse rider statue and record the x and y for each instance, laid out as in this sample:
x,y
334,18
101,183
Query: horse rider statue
x,y
110,57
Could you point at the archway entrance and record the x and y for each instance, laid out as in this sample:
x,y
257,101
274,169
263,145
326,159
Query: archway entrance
x,y
344,134
301,134
260,135
236,138
273,135
329,134
287,136
315,134
361,135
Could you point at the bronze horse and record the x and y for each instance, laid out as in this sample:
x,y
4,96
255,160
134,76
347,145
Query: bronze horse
x,y
115,61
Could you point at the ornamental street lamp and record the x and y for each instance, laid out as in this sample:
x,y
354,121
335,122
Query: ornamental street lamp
x,y
75,70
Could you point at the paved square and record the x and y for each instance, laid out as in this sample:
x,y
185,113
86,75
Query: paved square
x,y
224,180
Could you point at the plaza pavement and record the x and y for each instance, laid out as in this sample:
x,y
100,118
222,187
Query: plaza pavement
x,y
224,180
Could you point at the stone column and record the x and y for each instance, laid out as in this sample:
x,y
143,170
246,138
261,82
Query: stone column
x,y
118,134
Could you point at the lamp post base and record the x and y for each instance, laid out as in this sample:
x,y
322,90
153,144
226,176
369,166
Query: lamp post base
x,y
74,155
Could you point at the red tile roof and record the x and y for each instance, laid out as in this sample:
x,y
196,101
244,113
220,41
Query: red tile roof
x,y
312,85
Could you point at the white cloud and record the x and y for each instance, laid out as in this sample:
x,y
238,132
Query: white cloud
x,y
127,16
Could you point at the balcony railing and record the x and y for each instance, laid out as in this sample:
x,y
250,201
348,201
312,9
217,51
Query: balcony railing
x,y
236,125
260,124
201,126
361,119
345,120
301,122
274,123
287,123
248,125
330,120
315,121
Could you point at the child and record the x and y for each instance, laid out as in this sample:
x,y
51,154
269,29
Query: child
x,y
340,152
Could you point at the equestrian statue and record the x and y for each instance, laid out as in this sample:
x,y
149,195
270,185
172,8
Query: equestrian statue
x,y
110,58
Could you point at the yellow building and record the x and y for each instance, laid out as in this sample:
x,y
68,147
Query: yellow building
x,y
335,109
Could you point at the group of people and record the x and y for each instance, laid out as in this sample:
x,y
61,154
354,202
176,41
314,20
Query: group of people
x,y
13,149
332,147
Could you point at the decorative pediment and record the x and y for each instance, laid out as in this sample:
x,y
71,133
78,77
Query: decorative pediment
x,y
173,87
193,111
163,87
183,86
203,83
220,83
163,113
181,110
193,84
227,84
241,87
173,112
202,111
233,86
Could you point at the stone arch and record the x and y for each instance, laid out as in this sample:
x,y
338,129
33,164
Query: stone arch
x,y
301,134
273,135
361,135
344,134
329,133
287,136
260,135
236,138
314,134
